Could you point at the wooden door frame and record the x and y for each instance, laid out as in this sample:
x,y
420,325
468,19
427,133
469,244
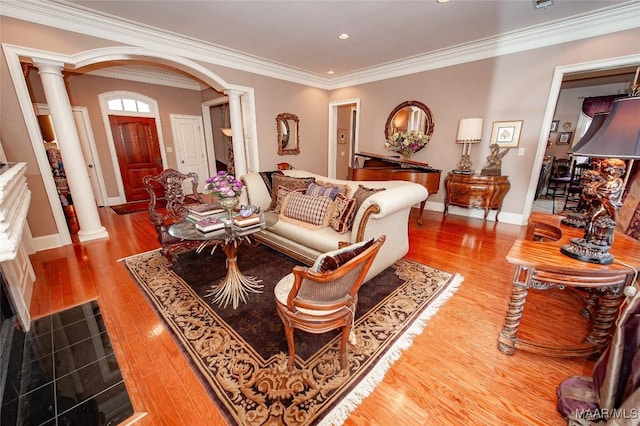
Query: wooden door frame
x,y
103,99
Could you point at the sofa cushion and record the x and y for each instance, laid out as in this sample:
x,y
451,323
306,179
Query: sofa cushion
x,y
344,211
322,190
362,193
267,178
336,258
307,210
288,182
282,193
343,188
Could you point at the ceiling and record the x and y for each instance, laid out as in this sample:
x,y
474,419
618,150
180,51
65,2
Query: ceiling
x,y
303,35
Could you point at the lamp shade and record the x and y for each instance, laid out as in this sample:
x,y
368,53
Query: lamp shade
x,y
596,123
618,136
469,130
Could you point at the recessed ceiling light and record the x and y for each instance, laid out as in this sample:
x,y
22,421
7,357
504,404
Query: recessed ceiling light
x,y
330,72
343,36
442,1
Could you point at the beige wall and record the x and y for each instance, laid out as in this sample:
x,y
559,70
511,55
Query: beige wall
x,y
511,87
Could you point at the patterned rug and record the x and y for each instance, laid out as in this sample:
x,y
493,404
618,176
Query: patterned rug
x,y
241,355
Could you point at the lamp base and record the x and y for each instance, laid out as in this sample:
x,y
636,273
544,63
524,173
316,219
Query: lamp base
x,y
580,249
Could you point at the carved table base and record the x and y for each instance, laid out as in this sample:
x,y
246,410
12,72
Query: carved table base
x,y
605,306
235,286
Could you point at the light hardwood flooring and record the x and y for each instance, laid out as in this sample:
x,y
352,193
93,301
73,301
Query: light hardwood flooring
x,y
453,374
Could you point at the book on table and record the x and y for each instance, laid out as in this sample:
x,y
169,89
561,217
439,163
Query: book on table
x,y
209,224
242,222
204,210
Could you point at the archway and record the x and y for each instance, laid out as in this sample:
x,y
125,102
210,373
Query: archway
x,y
242,106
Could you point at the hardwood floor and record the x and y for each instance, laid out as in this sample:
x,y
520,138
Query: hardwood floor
x,y
453,373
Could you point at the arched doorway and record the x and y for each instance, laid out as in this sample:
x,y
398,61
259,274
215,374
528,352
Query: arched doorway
x,y
241,103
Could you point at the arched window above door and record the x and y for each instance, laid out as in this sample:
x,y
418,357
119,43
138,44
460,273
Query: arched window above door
x,y
128,105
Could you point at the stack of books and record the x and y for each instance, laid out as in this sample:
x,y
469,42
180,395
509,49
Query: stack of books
x,y
202,211
245,222
209,224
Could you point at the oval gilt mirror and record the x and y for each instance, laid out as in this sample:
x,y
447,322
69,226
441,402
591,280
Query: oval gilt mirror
x,y
288,134
408,116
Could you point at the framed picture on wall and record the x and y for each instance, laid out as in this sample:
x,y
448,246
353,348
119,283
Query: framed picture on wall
x,y
506,134
342,136
554,126
564,138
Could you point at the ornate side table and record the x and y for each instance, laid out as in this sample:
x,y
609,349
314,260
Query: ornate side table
x,y
474,191
539,265
235,286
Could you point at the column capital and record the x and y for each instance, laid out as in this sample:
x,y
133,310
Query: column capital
x,y
234,93
48,66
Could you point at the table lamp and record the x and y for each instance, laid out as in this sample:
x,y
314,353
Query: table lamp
x,y
469,132
617,139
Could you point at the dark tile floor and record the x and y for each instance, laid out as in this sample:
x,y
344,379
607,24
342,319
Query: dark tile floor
x,y
64,372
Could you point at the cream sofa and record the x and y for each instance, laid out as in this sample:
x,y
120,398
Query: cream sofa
x,y
385,212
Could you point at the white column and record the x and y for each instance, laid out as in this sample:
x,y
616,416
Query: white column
x,y
70,150
237,133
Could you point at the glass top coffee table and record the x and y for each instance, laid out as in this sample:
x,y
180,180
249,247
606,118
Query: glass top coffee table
x,y
235,286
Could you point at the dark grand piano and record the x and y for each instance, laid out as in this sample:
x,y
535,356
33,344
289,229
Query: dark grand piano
x,y
369,166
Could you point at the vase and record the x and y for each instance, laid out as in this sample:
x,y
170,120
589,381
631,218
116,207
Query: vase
x,y
229,203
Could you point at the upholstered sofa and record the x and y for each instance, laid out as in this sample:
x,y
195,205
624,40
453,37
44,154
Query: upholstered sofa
x,y
384,212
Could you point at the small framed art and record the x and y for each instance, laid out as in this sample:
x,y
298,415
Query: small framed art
x,y
506,134
342,136
554,126
564,138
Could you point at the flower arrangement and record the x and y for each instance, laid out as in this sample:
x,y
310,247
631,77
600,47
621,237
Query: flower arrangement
x,y
406,143
223,185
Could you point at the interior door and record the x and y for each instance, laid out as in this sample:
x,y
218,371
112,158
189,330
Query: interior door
x,y
138,151
188,137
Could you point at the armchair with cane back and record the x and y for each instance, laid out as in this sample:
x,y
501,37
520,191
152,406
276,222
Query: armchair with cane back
x,y
324,297
169,186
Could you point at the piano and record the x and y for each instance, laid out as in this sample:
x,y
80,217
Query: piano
x,y
378,167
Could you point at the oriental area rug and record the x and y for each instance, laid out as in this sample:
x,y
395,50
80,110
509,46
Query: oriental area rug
x,y
241,355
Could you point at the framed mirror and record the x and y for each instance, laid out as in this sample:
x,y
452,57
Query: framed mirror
x,y
288,134
408,116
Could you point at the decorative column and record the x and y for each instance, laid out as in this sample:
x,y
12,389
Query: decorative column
x,y
237,133
70,150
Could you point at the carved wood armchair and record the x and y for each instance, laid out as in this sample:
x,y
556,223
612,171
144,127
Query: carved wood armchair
x,y
324,297
168,205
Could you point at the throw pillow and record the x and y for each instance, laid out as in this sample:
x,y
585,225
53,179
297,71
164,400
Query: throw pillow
x,y
288,182
362,193
307,210
267,178
343,188
282,193
343,213
322,190
334,259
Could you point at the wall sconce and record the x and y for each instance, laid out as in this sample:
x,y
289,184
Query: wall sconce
x,y
617,139
469,132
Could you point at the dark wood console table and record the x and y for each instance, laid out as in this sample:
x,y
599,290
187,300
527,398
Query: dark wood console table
x,y
540,265
474,191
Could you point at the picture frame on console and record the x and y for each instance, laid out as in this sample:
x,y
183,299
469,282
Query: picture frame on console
x,y
506,134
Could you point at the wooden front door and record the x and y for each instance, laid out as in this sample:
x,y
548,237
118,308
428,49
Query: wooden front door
x,y
138,150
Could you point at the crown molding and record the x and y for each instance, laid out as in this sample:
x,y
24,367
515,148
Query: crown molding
x,y
66,16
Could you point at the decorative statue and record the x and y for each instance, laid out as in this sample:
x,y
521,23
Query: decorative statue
x,y
589,180
600,221
494,161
